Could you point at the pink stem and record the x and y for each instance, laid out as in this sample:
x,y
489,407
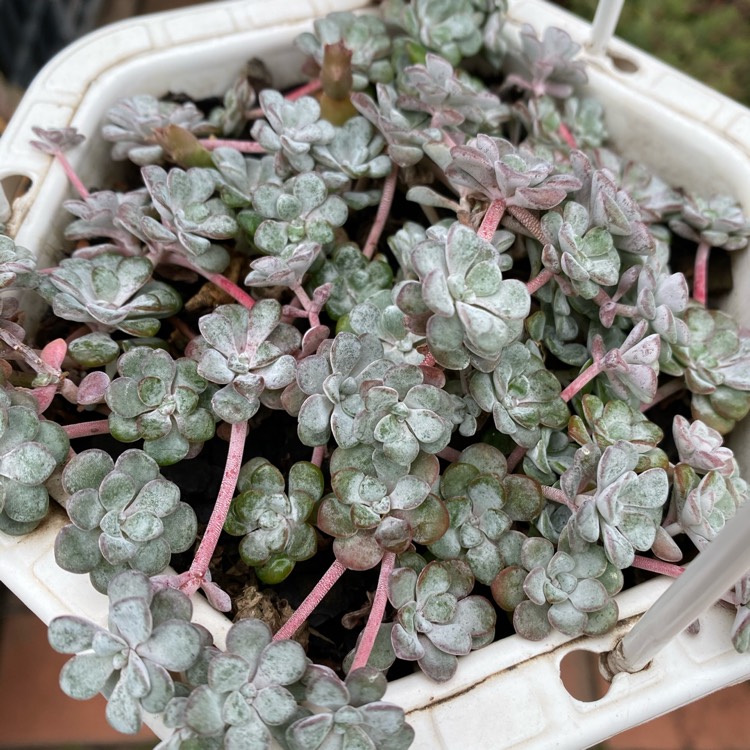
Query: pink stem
x,y
307,303
567,136
530,222
657,566
515,457
322,587
585,377
240,295
386,200
449,454
182,327
317,456
665,391
71,174
86,429
492,217
203,555
370,633
245,147
700,275
558,496
304,90
539,280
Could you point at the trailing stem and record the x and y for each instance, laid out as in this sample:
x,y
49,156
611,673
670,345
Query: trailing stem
x,y
322,587
29,356
492,218
585,377
386,201
307,303
199,567
700,274
558,496
530,222
515,457
87,429
539,280
676,385
72,175
449,454
304,90
567,136
370,633
234,291
318,454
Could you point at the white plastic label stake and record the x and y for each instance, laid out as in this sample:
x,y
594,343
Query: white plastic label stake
x,y
604,24
705,580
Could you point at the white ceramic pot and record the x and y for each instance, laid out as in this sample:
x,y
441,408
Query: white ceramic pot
x,y
508,695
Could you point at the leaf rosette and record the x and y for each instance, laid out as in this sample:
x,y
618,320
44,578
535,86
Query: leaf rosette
x,y
124,515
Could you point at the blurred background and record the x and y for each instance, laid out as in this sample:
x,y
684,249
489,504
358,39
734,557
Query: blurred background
x,y
708,39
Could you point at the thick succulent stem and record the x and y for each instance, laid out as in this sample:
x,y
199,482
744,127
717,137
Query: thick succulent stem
x,y
322,587
516,457
449,454
567,136
87,429
700,274
237,294
245,147
386,201
307,303
530,223
317,455
558,496
539,280
304,90
370,633
72,175
205,551
492,218
657,566
583,379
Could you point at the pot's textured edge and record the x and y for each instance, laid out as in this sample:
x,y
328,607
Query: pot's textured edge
x,y
513,685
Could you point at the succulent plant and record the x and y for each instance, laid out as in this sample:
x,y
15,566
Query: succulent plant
x,y
715,368
364,36
461,302
31,448
246,694
437,618
585,254
110,292
149,636
701,447
326,396
353,714
548,64
291,129
494,169
190,217
16,264
158,399
483,502
131,124
273,523
298,211
248,353
288,269
353,278
368,516
124,515
98,217
381,318
625,508
554,123
240,176
403,415
406,134
568,589
521,394
451,98
452,29
718,221
239,98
